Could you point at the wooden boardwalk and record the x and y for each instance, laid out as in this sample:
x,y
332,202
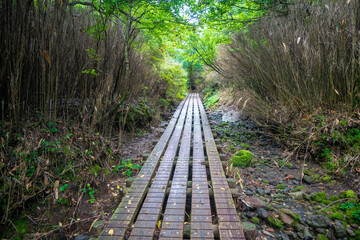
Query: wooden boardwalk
x,y
175,196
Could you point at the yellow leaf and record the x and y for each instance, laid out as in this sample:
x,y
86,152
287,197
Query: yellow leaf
x,y
142,176
167,223
118,187
223,189
174,203
159,224
111,232
47,57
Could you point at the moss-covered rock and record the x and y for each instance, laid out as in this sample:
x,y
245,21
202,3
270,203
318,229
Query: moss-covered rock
x,y
299,188
275,223
321,237
351,194
334,198
293,214
326,202
242,158
337,215
281,186
319,197
326,179
255,220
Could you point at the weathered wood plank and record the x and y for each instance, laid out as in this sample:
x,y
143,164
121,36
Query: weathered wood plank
x,y
162,173
201,220
179,181
222,194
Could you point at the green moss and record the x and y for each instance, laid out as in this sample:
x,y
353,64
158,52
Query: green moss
x,y
351,194
299,188
319,197
275,223
293,214
308,172
342,195
326,179
337,215
281,186
326,202
265,181
321,237
255,220
242,158
334,198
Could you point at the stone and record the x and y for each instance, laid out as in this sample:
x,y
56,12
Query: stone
x,y
280,196
298,227
297,195
98,227
288,220
340,229
260,191
350,232
308,179
275,223
249,230
268,191
307,234
284,236
293,214
233,116
255,220
317,221
262,213
292,235
254,203
321,230
82,237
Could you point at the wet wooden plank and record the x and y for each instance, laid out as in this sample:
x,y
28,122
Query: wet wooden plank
x,y
226,216
162,173
179,183
201,220
125,214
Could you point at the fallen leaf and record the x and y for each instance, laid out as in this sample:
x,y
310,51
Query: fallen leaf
x,y
111,232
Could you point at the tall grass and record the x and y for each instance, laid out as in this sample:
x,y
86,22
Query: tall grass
x,y
296,65
301,73
68,63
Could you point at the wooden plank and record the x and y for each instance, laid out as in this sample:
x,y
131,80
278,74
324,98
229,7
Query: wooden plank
x,y
162,173
222,195
124,216
201,220
179,183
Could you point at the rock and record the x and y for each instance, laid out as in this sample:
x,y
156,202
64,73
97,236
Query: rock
x,y
284,236
340,230
317,221
233,116
321,230
248,214
297,195
288,220
98,227
307,234
280,196
350,232
254,203
249,230
260,191
355,226
262,213
268,191
298,227
308,179
275,223
249,193
292,235
82,237
255,220
242,158
293,214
